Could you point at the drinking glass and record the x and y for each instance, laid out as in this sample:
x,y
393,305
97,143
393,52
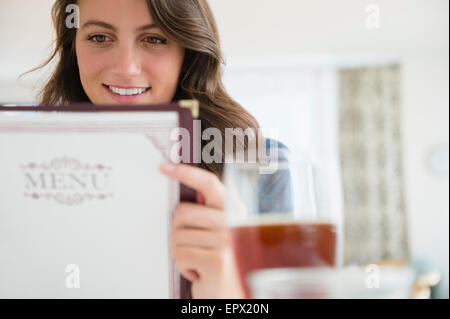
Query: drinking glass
x,y
275,219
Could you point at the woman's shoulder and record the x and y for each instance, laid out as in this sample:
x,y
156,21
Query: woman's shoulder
x,y
275,192
275,148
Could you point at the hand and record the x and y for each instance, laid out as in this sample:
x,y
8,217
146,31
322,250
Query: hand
x,y
200,241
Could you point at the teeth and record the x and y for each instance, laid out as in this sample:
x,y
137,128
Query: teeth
x,y
132,91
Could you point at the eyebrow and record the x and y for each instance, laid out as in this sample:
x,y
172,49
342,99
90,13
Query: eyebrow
x,y
113,28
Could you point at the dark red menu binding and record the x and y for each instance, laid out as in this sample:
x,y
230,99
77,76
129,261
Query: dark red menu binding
x,y
187,110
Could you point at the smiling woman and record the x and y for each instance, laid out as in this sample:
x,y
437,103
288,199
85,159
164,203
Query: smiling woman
x,y
144,52
154,52
123,56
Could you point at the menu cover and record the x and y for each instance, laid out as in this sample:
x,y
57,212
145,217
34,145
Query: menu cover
x,y
84,210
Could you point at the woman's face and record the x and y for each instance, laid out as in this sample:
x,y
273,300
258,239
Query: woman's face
x,y
122,58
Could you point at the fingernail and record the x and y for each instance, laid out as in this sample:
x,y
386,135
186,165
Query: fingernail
x,y
167,167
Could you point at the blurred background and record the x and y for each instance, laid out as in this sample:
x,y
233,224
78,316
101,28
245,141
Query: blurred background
x,y
361,85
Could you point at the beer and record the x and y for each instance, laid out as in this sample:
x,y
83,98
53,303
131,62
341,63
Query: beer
x,y
283,244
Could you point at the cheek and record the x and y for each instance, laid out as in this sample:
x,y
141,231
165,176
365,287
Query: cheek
x,y
89,63
166,70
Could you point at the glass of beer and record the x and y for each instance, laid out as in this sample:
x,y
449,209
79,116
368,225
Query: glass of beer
x,y
275,219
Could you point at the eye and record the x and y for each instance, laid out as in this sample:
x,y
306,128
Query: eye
x,y
155,40
99,38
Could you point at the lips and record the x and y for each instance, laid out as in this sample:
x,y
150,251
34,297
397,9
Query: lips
x,y
129,94
127,91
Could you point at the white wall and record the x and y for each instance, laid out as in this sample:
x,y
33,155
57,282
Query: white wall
x,y
312,32
25,38
425,126
266,28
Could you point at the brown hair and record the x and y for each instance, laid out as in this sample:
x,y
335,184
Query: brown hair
x,y
192,25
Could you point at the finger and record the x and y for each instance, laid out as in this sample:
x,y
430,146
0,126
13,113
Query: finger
x,y
189,259
200,180
190,215
200,239
190,275
200,199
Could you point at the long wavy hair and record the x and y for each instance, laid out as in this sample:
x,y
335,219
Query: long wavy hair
x,y
191,24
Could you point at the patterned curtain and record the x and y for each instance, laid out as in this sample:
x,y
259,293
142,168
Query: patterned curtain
x,y
371,163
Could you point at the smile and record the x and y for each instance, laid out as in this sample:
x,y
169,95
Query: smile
x,y
127,91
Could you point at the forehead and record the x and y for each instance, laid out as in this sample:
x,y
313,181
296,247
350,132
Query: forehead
x,y
124,14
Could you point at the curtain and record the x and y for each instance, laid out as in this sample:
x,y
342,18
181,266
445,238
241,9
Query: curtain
x,y
371,164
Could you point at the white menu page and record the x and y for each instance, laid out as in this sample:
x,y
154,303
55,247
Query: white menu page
x,y
84,210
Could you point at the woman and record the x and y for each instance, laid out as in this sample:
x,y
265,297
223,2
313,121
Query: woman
x,y
158,51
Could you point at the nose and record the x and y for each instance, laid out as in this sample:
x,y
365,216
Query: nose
x,y
127,62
